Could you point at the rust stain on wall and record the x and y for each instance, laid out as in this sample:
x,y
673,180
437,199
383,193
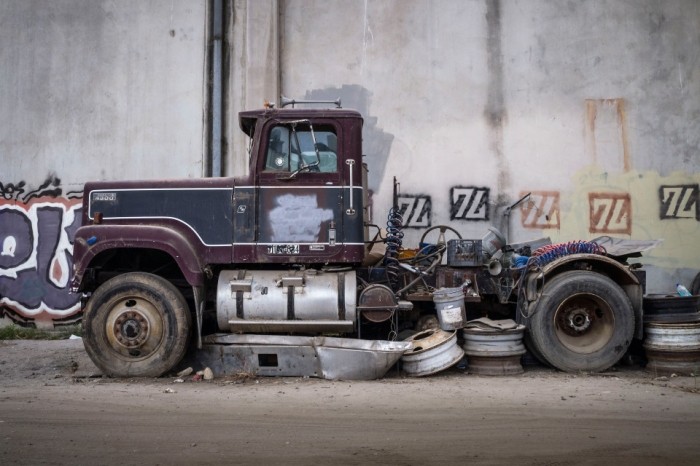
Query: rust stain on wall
x,y
606,135
622,119
591,114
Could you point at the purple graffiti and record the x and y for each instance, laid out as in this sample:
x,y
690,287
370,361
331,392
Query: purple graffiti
x,y
36,243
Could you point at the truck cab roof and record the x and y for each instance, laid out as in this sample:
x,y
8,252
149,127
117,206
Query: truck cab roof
x,y
249,119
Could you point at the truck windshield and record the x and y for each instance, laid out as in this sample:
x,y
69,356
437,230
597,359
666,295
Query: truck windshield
x,y
291,149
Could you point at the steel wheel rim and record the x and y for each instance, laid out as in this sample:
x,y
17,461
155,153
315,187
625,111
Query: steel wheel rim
x,y
584,323
134,327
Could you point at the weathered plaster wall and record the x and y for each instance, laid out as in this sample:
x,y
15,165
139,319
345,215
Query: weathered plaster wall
x,y
88,90
253,34
592,107
101,89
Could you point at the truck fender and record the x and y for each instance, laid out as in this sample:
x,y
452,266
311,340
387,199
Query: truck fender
x,y
92,240
629,282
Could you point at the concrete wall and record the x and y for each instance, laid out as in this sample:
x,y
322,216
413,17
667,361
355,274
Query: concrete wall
x,y
94,89
253,36
88,90
591,107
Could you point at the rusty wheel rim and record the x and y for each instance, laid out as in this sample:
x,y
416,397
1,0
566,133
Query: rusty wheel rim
x,y
584,323
134,327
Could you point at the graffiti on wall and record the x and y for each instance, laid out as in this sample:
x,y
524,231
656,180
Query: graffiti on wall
x,y
679,202
37,228
469,203
416,210
610,213
541,210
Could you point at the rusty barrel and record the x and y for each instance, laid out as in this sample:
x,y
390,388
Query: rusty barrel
x,y
492,351
673,347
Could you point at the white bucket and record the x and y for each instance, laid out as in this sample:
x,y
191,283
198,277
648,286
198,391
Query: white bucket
x,y
449,304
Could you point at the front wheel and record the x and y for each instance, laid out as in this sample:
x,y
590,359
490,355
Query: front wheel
x,y
136,325
583,322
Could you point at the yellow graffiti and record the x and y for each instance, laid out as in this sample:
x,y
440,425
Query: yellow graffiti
x,y
651,205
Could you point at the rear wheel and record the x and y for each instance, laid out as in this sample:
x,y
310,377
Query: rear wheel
x,y
695,287
583,322
136,324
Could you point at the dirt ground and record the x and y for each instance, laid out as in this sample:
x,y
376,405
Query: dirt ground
x,y
55,408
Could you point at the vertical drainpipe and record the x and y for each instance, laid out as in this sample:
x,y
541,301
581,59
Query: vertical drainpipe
x,y
216,96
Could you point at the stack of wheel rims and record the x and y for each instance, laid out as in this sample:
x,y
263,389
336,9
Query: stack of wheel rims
x,y
493,351
672,334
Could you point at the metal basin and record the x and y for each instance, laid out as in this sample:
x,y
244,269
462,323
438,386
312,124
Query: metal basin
x,y
298,356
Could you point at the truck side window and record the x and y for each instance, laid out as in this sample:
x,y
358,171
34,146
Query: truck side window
x,y
285,152
278,151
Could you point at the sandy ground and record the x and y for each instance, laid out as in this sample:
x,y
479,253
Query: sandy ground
x,y
55,408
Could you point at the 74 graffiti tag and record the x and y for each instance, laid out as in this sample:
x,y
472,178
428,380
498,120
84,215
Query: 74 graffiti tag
x,y
679,201
416,210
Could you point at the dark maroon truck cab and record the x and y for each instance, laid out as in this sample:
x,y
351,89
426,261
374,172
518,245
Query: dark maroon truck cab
x,y
274,251
285,215
297,205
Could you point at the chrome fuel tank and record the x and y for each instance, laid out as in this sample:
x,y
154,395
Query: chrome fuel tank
x,y
265,301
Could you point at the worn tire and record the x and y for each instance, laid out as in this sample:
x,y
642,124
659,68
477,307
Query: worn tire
x,y
136,325
695,287
527,339
583,322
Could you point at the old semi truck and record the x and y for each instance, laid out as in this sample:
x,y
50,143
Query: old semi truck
x,y
289,249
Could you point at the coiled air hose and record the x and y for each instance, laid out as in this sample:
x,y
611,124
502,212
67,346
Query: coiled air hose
x,y
394,240
549,253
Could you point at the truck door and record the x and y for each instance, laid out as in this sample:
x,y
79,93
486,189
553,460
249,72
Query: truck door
x,y
300,192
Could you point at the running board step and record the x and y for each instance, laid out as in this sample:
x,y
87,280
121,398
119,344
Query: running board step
x,y
272,326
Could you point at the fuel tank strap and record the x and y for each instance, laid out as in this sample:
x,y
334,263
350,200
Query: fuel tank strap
x,y
341,296
290,302
239,296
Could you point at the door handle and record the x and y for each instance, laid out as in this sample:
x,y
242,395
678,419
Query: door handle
x,y
351,164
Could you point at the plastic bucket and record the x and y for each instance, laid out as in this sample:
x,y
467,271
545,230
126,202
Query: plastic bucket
x,y
449,304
